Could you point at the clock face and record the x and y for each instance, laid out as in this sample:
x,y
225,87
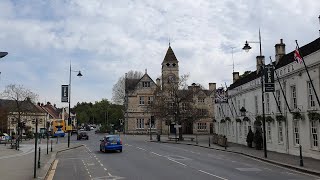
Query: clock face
x,y
171,78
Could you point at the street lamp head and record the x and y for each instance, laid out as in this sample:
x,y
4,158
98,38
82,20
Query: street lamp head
x,y
246,47
3,54
79,74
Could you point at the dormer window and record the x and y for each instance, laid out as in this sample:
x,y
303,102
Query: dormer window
x,y
168,64
145,84
174,64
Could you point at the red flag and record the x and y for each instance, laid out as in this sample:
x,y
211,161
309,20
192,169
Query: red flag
x,y
297,56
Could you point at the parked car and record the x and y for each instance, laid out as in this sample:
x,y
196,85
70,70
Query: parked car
x,y
74,131
111,142
82,135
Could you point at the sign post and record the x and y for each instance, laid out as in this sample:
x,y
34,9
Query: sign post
x,y
64,93
269,78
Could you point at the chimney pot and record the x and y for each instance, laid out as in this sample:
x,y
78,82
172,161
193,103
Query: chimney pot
x,y
235,76
212,86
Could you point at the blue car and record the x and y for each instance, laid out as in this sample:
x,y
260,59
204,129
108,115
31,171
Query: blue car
x,y
111,142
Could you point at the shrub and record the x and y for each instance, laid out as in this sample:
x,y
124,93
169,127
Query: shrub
x,y
258,140
250,138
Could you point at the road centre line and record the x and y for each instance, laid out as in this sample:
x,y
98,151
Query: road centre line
x,y
213,175
105,169
176,162
141,148
109,174
156,154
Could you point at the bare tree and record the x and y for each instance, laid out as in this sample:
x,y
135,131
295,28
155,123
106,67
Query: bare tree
x,y
174,102
19,101
118,90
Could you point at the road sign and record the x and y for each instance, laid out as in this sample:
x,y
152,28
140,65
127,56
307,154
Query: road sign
x,y
269,78
64,93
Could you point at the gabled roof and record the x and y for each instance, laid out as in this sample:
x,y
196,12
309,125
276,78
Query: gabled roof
x,y
132,83
284,60
26,106
51,110
170,56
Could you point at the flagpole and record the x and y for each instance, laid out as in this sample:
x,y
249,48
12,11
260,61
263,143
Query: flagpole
x,y
285,98
228,102
305,66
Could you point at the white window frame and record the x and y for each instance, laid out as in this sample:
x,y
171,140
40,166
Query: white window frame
x,y
141,100
311,100
140,123
293,90
201,100
256,104
150,99
245,128
269,133
202,126
296,134
146,84
314,130
232,126
267,103
280,132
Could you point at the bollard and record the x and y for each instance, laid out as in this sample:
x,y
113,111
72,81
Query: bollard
x,y
196,138
209,142
51,145
39,157
301,160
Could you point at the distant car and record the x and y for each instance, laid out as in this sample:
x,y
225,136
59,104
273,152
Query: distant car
x,y
74,131
59,133
82,135
81,129
91,128
111,142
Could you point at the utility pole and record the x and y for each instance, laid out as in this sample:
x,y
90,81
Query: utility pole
x,y
35,151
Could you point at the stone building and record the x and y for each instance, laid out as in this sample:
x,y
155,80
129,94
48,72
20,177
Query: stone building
x,y
140,95
287,127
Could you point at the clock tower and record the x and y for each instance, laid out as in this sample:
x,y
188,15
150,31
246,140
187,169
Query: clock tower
x,y
170,68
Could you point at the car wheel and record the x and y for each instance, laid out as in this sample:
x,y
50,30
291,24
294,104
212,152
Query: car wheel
x,y
120,150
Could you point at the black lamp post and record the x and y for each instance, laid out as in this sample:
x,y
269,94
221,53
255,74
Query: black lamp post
x,y
69,117
247,47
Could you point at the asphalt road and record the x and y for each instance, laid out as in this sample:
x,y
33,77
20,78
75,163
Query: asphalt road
x,y
143,160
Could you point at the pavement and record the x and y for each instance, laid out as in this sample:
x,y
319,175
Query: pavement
x,y
142,159
311,165
19,164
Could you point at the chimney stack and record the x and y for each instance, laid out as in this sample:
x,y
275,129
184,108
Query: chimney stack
x,y
212,86
280,50
158,82
235,76
260,62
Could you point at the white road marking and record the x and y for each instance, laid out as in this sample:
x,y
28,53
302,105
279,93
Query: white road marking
x,y
101,164
156,154
141,148
129,145
109,174
213,175
176,162
89,175
105,169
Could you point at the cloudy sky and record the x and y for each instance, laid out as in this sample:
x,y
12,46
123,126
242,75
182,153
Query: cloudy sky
x,y
106,38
